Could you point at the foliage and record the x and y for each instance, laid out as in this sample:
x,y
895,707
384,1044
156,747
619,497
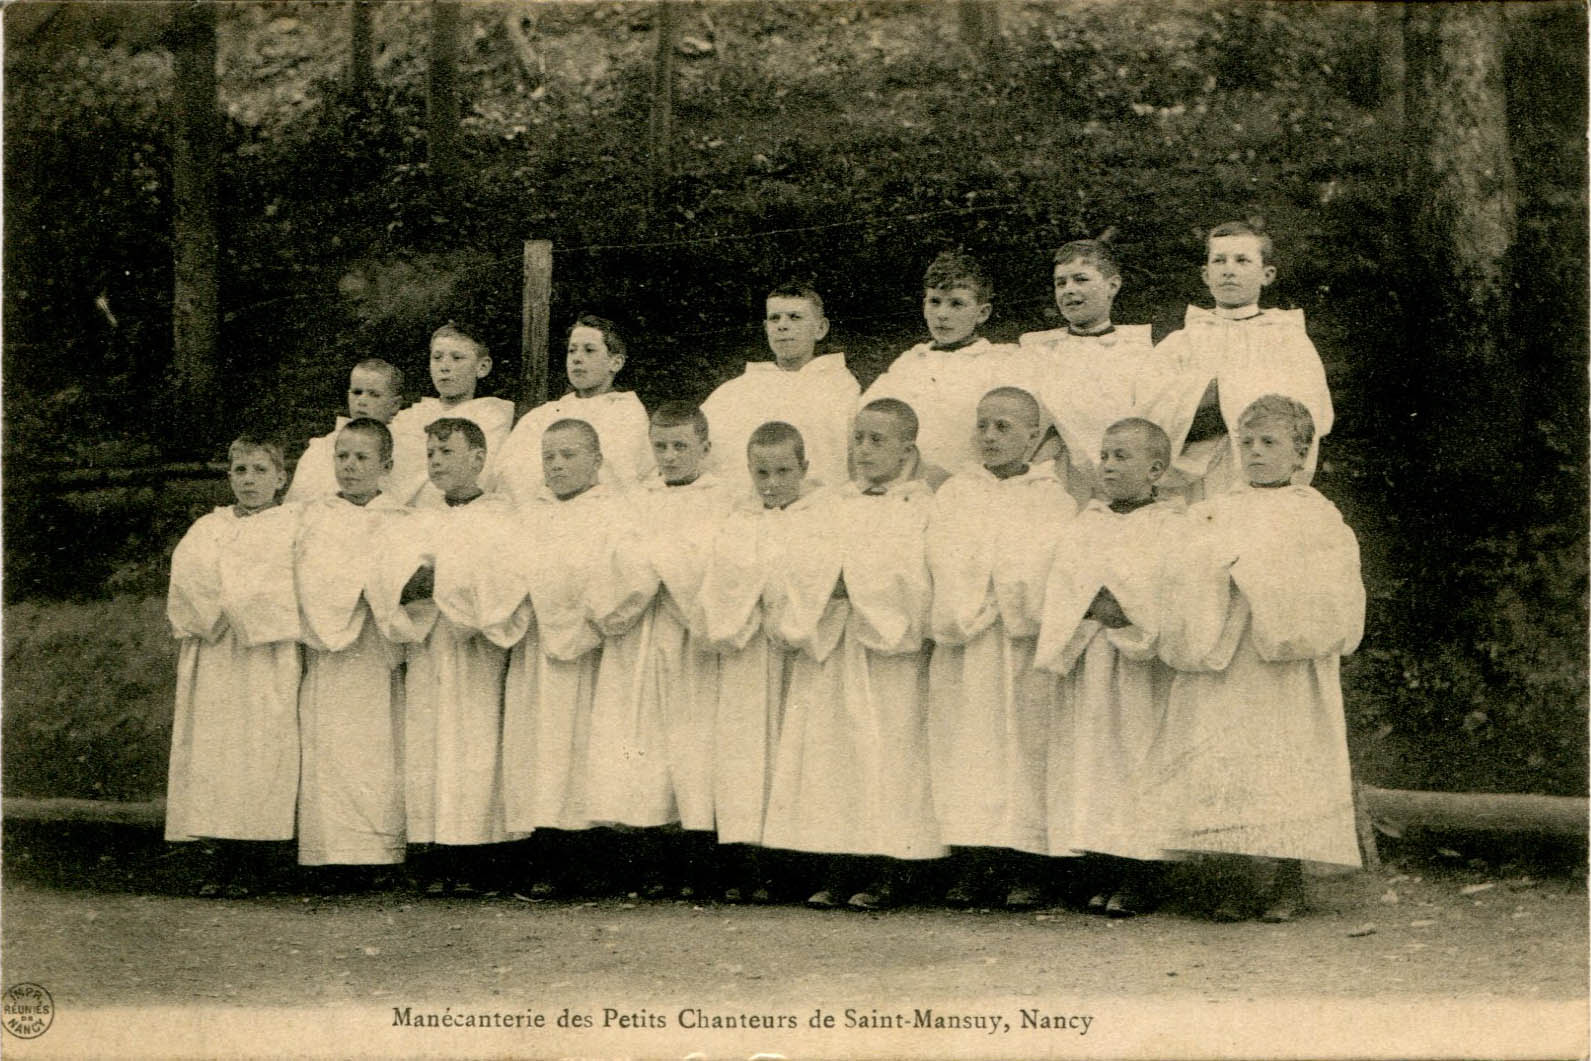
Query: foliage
x,y
846,142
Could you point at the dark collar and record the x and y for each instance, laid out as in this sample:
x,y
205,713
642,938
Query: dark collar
x,y
1121,508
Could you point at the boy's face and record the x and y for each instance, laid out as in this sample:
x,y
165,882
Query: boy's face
x,y
1084,295
255,478
452,465
1007,431
776,472
568,462
953,313
359,463
794,327
1126,471
1235,271
677,451
591,367
1269,454
456,366
370,393
879,448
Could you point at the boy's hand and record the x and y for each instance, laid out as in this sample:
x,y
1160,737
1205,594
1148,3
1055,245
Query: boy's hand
x,y
421,585
1106,611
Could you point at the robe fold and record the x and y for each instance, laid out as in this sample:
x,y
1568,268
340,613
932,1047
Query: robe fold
x,y
989,547
851,772
350,706
819,400
1112,689
234,743
1266,598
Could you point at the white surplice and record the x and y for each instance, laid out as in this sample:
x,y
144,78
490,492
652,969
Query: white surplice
x,y
818,399
851,772
1113,689
619,420
234,738
350,706
989,545
1266,599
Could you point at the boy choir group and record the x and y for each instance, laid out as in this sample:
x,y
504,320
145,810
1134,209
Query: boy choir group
x,y
1069,603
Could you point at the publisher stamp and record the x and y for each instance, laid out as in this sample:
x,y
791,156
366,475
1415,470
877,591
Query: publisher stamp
x,y
28,1010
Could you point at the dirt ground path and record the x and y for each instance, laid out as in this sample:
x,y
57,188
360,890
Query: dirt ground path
x,y
1440,960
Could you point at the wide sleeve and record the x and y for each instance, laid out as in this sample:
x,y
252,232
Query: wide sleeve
x,y
1204,616
623,579
331,570
257,589
480,582
732,584
802,569
1301,578
1026,552
1075,577
886,570
626,451
408,473
961,556
571,543
405,544
193,599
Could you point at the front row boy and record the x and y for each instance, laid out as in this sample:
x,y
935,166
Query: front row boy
x,y
1267,598
851,774
234,740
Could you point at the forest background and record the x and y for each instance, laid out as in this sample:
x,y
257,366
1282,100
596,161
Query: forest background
x,y
846,143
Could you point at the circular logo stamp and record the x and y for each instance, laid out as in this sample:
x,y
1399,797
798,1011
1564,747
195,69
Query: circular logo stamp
x,y
28,1010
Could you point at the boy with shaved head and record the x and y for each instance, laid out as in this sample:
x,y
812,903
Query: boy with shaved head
x,y
990,542
851,774
1100,620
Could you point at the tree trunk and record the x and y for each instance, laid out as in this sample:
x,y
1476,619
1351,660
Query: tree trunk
x,y
1460,179
662,123
361,79
196,250
441,94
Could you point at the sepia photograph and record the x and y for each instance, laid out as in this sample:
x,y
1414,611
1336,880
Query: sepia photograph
x,y
795,529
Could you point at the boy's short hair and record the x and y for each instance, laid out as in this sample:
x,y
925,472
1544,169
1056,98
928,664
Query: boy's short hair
x,y
609,330
1293,413
897,410
959,269
678,414
248,443
375,429
580,427
444,428
1252,227
1018,394
1154,436
455,330
799,289
778,433
393,372
1095,252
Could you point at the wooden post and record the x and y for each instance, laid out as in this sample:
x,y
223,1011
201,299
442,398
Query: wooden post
x,y
535,323
662,123
195,318
441,92
360,76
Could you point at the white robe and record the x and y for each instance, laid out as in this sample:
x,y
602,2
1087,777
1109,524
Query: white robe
x,y
1269,353
453,681
315,474
943,388
989,544
620,422
819,400
408,478
740,609
1253,760
652,717
1088,382
1113,689
851,773
350,706
528,593
234,737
